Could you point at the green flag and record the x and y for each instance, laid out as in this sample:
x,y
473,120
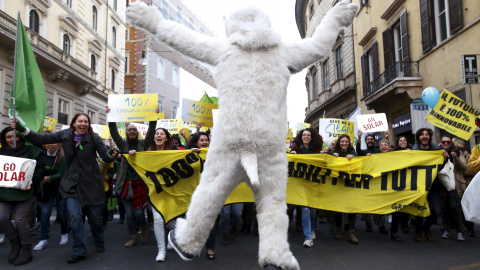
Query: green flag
x,y
29,91
206,98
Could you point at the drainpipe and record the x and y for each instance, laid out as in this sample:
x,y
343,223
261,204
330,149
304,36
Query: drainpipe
x,y
106,49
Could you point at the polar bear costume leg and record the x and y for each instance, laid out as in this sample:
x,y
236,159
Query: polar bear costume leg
x,y
216,184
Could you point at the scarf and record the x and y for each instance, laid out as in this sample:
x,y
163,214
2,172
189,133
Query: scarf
x,y
18,151
78,137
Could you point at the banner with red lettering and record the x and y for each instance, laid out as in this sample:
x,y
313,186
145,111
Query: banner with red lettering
x,y
16,172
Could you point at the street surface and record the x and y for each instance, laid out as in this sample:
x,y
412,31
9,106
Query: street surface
x,y
375,251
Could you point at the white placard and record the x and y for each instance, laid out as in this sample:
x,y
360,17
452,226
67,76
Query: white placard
x,y
372,122
16,172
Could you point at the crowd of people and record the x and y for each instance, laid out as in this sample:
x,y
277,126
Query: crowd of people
x,y
80,175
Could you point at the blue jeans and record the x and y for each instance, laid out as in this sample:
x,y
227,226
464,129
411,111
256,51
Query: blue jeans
x,y
45,220
95,219
233,210
306,223
62,214
132,216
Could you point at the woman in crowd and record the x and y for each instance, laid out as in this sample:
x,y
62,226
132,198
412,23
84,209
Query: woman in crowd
x,y
198,141
308,142
344,148
460,186
82,186
20,200
55,168
402,144
449,200
161,141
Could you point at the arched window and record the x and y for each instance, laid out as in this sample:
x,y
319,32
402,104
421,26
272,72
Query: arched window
x,y
94,18
160,105
34,21
114,37
175,77
113,79
66,43
93,62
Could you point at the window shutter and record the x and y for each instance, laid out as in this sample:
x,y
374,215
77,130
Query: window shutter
x,y
375,60
388,49
404,29
427,25
455,12
365,81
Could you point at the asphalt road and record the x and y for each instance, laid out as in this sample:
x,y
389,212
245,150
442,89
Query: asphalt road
x,y
375,251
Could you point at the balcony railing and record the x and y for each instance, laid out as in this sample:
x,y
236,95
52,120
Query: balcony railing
x,y
398,70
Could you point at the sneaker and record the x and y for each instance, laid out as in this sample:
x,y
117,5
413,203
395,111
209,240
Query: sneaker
x,y
2,238
460,237
314,236
41,245
171,239
160,256
445,235
308,243
169,247
64,239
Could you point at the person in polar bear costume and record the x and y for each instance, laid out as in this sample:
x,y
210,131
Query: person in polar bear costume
x,y
252,70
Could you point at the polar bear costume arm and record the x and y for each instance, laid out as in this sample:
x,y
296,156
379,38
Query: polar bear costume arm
x,y
186,41
310,50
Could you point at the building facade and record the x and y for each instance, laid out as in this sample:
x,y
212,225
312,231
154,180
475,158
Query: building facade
x,y
153,67
403,46
79,49
330,83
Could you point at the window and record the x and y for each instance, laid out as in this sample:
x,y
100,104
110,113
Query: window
x,y
179,15
314,84
63,111
66,43
175,77
160,71
439,19
94,18
34,21
93,62
68,3
395,45
92,116
112,78
174,112
338,58
326,80
312,11
114,5
370,69
114,37
160,105
126,64
397,42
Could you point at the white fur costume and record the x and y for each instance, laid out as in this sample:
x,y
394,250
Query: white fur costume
x,y
253,67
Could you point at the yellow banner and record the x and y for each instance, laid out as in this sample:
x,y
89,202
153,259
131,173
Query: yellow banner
x,y
49,124
198,112
380,184
132,108
454,115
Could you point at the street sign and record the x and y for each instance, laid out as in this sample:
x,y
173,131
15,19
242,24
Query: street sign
x,y
469,68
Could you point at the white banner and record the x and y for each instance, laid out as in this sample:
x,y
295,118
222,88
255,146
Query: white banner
x,y
16,172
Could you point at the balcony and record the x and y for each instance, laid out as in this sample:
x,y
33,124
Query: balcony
x,y
52,61
402,77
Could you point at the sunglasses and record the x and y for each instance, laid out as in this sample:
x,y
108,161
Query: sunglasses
x,y
447,142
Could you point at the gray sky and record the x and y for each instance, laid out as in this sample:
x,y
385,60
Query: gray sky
x,y
282,16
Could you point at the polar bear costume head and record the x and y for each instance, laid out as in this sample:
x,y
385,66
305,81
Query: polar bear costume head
x,y
250,29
